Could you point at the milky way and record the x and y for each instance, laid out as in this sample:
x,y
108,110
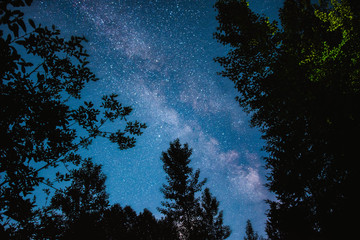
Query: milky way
x,y
158,56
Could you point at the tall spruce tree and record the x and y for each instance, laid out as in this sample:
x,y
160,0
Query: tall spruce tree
x,y
212,219
300,83
182,206
250,234
194,216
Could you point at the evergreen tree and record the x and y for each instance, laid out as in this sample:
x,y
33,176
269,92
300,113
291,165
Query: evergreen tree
x,y
194,217
250,233
211,219
182,205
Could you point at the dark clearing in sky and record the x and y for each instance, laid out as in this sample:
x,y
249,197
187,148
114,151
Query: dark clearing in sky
x,y
158,56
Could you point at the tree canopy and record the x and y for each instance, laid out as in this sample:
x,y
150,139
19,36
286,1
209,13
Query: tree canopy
x,y
212,225
194,217
82,211
250,233
79,208
299,81
42,75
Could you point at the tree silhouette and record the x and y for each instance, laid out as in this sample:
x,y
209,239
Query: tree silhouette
x,y
182,206
43,123
124,223
82,211
167,229
148,227
249,231
79,208
120,223
193,220
300,83
211,219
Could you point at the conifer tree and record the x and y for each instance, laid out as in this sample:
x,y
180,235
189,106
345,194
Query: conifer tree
x,y
212,218
195,217
181,205
250,233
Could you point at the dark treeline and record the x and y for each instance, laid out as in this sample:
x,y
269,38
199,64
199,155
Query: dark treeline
x,y
82,211
299,81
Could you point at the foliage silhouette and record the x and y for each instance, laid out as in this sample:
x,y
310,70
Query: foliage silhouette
x,y
192,218
212,227
42,75
82,211
250,234
79,208
300,83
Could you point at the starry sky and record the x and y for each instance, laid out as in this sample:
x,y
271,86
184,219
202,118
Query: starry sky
x,y
158,56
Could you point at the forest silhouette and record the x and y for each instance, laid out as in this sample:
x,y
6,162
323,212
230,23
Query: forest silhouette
x,y
299,82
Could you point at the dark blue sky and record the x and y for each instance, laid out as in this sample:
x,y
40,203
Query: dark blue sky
x,y
158,56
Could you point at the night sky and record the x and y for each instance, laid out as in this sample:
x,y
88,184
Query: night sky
x,y
158,56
